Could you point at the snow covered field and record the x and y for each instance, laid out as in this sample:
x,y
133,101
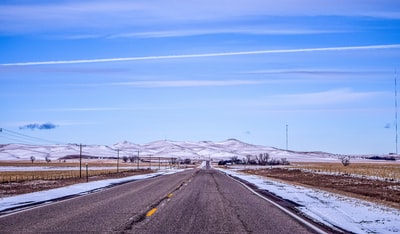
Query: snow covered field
x,y
52,168
164,149
76,189
333,210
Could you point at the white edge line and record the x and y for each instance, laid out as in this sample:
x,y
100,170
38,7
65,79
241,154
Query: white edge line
x,y
66,198
291,214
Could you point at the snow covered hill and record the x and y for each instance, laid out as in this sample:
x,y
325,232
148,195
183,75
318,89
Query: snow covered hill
x,y
164,149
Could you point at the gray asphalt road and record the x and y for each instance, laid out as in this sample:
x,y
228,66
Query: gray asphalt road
x,y
213,203
193,201
102,212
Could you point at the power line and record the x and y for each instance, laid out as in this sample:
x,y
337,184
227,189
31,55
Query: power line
x,y
14,139
22,137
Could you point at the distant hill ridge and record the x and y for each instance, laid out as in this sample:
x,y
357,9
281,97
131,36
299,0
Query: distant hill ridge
x,y
163,148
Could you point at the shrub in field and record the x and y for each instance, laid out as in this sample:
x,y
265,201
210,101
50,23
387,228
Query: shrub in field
x,y
33,159
125,159
345,160
262,159
285,161
47,158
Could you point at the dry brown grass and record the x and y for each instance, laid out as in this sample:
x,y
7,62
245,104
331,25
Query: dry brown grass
x,y
69,163
70,170
28,186
19,176
378,191
383,170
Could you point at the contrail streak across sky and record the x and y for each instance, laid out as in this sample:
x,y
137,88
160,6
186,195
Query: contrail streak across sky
x,y
161,57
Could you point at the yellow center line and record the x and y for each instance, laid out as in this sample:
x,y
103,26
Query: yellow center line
x,y
151,212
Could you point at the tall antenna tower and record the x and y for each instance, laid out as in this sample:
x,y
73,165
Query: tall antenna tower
x,y
395,107
287,137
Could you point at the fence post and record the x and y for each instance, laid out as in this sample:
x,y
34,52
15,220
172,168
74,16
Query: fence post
x,y
87,172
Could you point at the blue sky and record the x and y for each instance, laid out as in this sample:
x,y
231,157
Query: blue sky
x,y
100,72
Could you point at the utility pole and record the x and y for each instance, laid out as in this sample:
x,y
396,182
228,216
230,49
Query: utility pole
x,y
80,161
87,172
138,159
395,107
117,160
287,137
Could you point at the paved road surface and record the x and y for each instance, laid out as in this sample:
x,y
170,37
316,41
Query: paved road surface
x,y
193,201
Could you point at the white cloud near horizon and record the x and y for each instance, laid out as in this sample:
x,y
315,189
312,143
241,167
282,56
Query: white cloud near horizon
x,y
205,55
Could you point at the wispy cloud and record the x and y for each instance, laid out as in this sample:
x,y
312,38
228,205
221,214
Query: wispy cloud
x,y
317,72
44,126
86,109
211,31
205,55
334,99
105,14
186,83
335,96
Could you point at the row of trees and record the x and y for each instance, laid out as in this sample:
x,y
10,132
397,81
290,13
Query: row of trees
x,y
47,158
261,159
133,159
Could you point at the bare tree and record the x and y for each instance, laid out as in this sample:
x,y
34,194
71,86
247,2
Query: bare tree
x,y
125,159
234,159
345,160
262,159
244,160
47,158
285,161
132,159
248,159
173,161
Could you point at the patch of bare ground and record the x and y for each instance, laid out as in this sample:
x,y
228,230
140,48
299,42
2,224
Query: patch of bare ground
x,y
15,188
377,191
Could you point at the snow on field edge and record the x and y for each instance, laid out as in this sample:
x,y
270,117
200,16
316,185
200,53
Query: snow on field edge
x,y
82,188
331,209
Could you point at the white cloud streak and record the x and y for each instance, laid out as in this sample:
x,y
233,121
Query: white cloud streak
x,y
205,55
186,83
100,17
86,109
197,32
337,96
327,99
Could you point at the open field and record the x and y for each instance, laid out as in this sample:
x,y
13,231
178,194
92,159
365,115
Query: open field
x,y
377,183
28,186
25,176
382,170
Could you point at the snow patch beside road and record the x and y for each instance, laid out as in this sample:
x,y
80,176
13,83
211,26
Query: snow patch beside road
x,y
76,189
353,215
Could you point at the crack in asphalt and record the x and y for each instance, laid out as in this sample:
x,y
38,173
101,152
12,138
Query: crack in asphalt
x,y
230,205
139,218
